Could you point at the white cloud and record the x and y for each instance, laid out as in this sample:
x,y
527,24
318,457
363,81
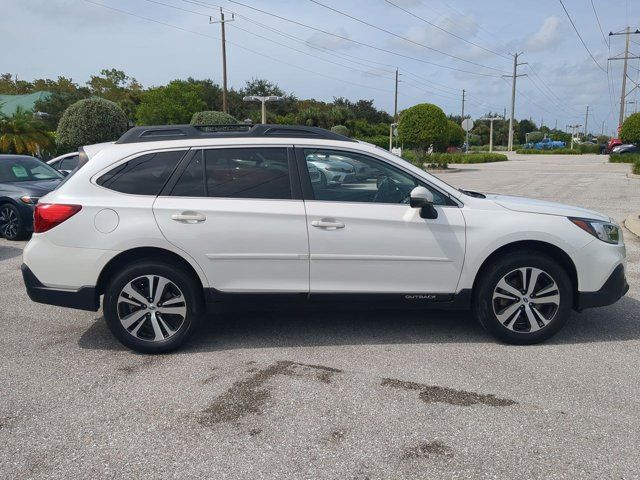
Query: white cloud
x,y
330,42
549,35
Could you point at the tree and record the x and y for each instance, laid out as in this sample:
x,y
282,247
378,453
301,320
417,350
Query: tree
x,y
630,132
422,125
56,103
262,87
340,130
172,104
524,127
210,117
92,120
118,87
456,134
23,134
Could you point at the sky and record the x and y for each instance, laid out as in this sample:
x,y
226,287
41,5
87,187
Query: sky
x,y
439,47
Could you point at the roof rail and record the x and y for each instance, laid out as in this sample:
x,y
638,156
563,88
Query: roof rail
x,y
186,132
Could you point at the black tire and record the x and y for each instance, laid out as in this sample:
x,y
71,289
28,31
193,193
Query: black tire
x,y
115,308
486,307
12,226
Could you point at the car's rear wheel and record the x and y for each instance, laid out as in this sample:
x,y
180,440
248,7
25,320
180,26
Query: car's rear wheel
x,y
524,298
152,307
11,224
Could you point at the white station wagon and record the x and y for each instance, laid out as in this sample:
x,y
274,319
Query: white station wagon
x,y
169,221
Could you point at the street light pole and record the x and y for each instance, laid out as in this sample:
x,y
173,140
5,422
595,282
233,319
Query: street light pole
x,y
491,120
263,100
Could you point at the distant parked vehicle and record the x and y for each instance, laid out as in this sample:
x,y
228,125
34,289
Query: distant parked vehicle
x,y
614,142
629,148
545,144
23,180
65,163
333,171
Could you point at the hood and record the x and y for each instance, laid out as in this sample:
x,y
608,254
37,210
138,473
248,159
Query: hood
x,y
530,205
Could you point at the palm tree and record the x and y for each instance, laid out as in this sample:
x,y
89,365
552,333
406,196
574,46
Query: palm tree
x,y
21,133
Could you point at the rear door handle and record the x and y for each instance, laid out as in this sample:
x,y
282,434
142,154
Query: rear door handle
x,y
327,223
188,217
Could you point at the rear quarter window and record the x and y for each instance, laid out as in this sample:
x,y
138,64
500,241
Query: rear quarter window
x,y
143,175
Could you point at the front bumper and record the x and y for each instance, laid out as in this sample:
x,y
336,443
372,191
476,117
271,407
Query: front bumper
x,y
84,298
613,289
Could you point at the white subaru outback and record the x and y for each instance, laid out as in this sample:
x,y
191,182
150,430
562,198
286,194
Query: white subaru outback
x,y
170,221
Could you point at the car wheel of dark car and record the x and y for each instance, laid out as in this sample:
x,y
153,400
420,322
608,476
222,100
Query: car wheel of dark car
x,y
11,224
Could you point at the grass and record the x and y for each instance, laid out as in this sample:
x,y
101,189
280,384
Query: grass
x,y
636,167
626,158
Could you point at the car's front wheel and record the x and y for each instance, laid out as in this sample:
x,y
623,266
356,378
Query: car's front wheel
x,y
152,307
523,298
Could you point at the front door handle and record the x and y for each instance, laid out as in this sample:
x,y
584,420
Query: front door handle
x,y
188,217
327,223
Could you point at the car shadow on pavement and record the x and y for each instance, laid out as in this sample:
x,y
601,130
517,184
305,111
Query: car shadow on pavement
x,y
287,327
7,252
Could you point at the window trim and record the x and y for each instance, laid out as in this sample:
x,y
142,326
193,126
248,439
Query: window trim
x,y
307,187
294,176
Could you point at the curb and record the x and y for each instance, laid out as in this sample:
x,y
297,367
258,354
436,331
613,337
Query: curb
x,y
633,175
632,223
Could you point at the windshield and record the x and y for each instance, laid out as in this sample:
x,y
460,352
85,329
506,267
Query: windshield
x,y
26,169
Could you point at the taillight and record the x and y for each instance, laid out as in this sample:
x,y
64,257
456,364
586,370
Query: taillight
x,y
49,215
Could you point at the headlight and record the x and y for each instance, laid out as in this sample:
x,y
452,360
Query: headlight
x,y
605,231
29,199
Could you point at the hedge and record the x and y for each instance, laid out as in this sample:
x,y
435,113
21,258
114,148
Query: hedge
x,y
553,151
470,157
340,130
89,121
213,117
379,140
624,158
636,166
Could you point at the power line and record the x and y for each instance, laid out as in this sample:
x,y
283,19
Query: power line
x,y
237,45
409,12
604,38
580,37
357,42
389,32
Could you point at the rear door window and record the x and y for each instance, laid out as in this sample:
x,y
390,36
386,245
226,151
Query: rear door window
x,y
143,175
237,173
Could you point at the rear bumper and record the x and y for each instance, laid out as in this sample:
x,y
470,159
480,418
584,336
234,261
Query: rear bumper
x,y
613,289
84,298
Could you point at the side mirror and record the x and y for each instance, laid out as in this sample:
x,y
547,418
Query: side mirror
x,y
422,198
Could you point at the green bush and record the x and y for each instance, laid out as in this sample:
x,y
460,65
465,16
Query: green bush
x,y
340,130
456,134
379,140
636,167
624,158
554,151
588,148
630,132
471,157
212,117
422,125
88,121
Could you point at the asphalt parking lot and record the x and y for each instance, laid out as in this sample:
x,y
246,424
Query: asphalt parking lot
x,y
337,395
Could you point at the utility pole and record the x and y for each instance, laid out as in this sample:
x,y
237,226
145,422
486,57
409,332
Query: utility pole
x,y
225,106
514,76
463,93
491,120
586,122
602,132
395,101
574,129
623,92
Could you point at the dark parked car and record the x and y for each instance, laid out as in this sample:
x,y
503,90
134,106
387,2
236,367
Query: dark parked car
x,y
23,180
627,149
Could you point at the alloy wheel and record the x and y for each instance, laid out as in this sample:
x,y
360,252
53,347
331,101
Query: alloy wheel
x,y
526,300
9,223
151,308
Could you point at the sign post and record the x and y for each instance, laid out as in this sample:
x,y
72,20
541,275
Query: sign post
x,y
467,124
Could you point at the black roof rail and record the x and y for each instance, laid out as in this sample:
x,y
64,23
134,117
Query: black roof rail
x,y
186,132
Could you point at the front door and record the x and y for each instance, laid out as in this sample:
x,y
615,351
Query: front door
x,y
365,238
235,211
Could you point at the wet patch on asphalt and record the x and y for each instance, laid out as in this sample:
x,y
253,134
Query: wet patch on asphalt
x,y
451,396
427,449
136,367
246,397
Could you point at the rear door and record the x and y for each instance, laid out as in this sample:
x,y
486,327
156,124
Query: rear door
x,y
239,213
